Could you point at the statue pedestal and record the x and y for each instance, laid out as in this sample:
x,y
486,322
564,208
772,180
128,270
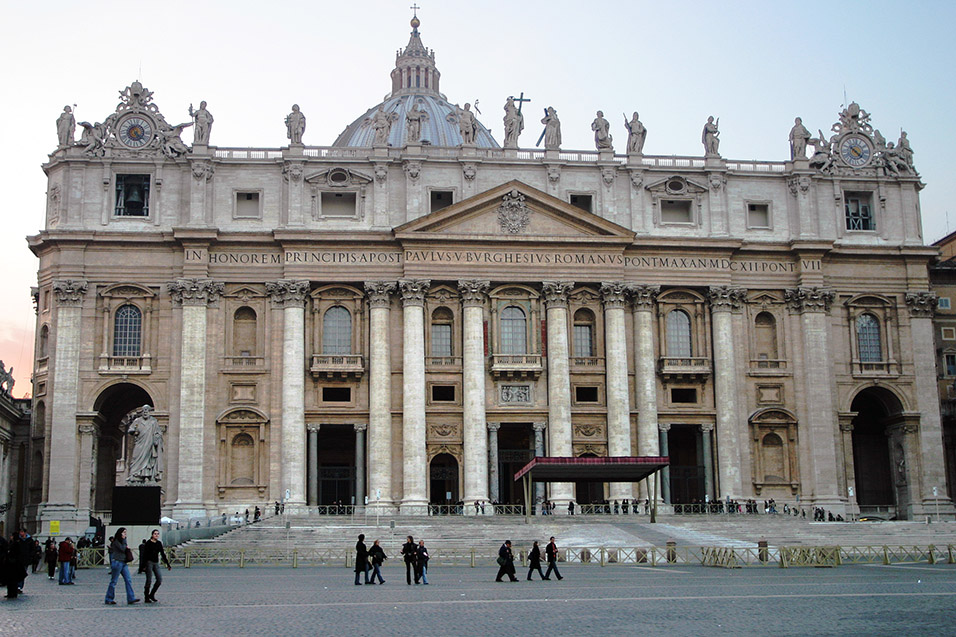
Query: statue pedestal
x,y
294,150
413,149
635,159
799,165
511,153
469,150
380,151
200,149
713,161
552,153
606,154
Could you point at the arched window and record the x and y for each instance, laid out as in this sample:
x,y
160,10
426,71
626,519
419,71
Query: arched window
x,y
242,460
678,334
244,332
773,460
39,419
765,336
868,339
514,335
337,331
44,341
583,339
442,319
127,327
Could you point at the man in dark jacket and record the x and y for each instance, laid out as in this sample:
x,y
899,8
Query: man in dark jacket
x,y
552,553
150,553
534,561
361,560
377,556
506,562
410,552
19,557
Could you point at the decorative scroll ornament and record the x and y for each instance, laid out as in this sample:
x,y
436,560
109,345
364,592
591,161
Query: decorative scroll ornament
x,y
379,292
811,299
413,169
202,170
614,293
413,290
195,291
469,171
725,298
608,174
513,214
292,171
288,292
556,292
69,292
644,296
473,292
922,304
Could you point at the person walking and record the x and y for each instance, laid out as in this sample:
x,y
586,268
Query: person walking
x,y
506,562
361,560
119,556
50,557
410,553
551,551
422,563
534,561
377,556
37,555
152,552
65,555
142,558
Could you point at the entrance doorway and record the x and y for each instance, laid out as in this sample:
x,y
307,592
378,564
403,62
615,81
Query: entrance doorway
x,y
515,450
336,470
686,464
877,485
443,479
586,491
110,453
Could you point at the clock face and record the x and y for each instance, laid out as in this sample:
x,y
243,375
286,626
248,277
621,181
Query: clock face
x,y
135,131
856,151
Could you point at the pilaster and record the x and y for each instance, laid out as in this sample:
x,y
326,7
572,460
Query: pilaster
x,y
723,301
559,381
475,439
380,394
414,500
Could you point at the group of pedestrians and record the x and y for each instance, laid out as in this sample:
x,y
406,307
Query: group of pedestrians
x,y
368,562
506,561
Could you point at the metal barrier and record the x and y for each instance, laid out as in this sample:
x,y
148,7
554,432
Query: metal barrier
x,y
717,556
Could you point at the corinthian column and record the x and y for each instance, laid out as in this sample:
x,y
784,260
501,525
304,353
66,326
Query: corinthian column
x,y
379,394
415,463
922,306
473,392
194,296
723,301
643,298
813,304
615,356
559,381
290,296
61,493
495,487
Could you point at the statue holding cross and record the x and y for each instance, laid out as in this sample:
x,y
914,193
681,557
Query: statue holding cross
x,y
514,120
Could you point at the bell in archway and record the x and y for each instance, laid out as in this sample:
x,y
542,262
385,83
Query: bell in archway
x,y
134,198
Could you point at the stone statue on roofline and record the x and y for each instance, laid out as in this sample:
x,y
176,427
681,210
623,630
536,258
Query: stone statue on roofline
x,y
636,134
467,124
203,120
170,140
799,135
65,128
822,152
381,125
709,137
414,119
552,129
514,124
295,125
602,132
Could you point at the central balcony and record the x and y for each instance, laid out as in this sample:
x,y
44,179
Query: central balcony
x,y
338,366
516,366
684,367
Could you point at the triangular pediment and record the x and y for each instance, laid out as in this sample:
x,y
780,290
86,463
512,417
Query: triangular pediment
x,y
516,212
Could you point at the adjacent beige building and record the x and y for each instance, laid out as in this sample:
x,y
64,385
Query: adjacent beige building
x,y
411,314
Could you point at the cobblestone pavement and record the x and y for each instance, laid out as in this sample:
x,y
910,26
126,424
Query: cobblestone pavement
x,y
591,600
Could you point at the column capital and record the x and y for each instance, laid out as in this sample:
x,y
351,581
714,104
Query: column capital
x,y
614,293
288,292
643,297
494,426
360,426
313,427
922,304
195,291
539,426
69,292
809,299
846,426
88,428
379,292
724,298
473,291
556,292
707,426
664,426
413,291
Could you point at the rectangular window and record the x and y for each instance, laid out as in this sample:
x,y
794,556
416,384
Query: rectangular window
x,y
676,211
583,341
336,394
443,393
247,205
585,394
758,215
338,204
859,211
132,196
950,364
441,339
581,201
683,395
944,303
949,333
440,199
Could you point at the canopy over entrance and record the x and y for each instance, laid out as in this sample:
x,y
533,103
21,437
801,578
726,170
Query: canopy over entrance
x,y
562,469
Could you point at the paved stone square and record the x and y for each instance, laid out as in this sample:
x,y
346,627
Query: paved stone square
x,y
591,600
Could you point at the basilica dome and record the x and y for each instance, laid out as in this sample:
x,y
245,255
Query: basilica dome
x,y
415,80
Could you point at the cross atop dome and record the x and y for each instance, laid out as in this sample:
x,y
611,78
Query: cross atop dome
x,y
415,70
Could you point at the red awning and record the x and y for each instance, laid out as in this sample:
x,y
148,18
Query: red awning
x,y
617,469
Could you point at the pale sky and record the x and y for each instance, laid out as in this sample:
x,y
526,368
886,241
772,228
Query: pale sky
x,y
756,65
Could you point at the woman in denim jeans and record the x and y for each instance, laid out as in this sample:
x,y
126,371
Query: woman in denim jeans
x,y
118,567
